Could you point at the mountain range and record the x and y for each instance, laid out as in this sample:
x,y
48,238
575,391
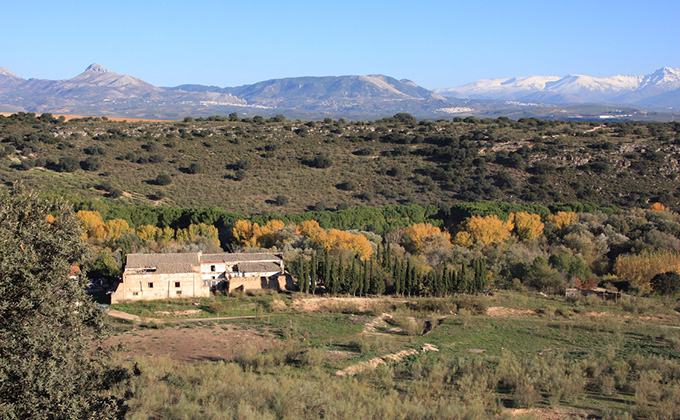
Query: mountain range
x,y
98,91
661,88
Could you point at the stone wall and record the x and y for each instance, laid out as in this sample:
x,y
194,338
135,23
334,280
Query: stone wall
x,y
250,283
153,286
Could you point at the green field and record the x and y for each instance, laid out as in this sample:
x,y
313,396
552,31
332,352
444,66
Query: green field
x,y
495,355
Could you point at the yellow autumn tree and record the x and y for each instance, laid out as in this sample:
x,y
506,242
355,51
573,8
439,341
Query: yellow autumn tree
x,y
310,229
146,233
640,269
422,236
265,236
166,234
195,232
92,224
243,232
527,226
336,239
657,207
254,235
562,219
463,238
483,230
116,228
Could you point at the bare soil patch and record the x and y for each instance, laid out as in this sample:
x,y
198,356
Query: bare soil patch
x,y
499,311
190,344
549,414
318,304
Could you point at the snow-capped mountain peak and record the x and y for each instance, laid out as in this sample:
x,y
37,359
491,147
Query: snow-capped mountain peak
x,y
575,88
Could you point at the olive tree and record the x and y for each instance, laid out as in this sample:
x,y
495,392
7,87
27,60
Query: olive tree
x,y
52,364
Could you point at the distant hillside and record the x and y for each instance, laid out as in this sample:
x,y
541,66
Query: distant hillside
x,y
258,165
657,89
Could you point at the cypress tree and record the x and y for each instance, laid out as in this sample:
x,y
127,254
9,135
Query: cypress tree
x,y
479,267
331,280
464,285
377,283
312,273
408,277
342,281
396,274
327,269
368,273
353,278
388,258
303,279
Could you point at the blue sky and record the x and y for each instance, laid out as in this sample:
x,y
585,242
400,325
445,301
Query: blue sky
x,y
436,44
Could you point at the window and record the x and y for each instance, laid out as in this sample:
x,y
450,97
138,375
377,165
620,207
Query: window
x,y
179,292
176,284
150,285
135,293
212,268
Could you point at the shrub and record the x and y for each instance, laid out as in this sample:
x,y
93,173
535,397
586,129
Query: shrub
x,y
244,164
240,174
195,168
90,164
68,164
321,161
94,150
313,357
216,307
163,179
409,325
115,193
27,164
281,200
348,186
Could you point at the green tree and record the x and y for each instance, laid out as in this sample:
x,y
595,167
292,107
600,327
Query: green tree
x,y
48,325
666,284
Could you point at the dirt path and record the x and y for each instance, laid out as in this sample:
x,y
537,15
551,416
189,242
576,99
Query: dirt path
x,y
130,317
